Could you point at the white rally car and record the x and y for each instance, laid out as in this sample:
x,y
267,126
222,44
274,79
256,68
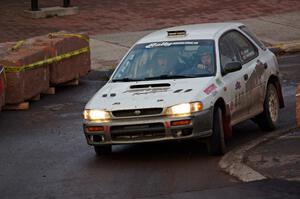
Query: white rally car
x,y
186,82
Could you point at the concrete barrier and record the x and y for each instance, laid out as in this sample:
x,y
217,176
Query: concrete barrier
x,y
32,65
24,83
72,67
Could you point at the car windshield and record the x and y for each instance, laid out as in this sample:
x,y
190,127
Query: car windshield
x,y
168,60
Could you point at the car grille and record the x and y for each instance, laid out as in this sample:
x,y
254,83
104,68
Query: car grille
x,y
137,112
137,132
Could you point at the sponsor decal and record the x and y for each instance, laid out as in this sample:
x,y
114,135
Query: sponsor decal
x,y
219,82
167,44
246,54
214,93
210,88
237,85
147,91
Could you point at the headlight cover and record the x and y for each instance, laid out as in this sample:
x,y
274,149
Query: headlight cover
x,y
184,109
96,115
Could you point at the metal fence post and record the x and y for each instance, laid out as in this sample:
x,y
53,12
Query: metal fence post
x,y
34,5
66,3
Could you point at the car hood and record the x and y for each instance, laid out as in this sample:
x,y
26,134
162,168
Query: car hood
x,y
149,94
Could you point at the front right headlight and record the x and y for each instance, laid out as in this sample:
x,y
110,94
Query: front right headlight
x,y
92,114
184,109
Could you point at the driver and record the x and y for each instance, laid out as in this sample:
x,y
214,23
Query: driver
x,y
206,61
160,65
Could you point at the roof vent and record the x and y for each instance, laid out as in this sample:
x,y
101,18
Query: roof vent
x,y
176,33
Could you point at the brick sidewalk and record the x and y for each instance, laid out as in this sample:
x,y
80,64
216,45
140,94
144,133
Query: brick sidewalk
x,y
108,16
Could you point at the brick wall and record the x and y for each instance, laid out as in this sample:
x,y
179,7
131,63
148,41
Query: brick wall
x,y
108,16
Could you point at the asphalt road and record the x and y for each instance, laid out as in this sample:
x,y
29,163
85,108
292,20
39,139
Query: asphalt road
x,y
43,154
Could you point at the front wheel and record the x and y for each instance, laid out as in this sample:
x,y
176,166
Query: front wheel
x,y
216,142
268,118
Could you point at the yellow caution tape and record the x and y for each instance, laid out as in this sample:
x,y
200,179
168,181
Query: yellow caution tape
x,y
21,42
69,35
14,69
18,45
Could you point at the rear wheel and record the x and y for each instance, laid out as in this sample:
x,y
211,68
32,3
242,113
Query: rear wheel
x,y
268,118
103,150
216,143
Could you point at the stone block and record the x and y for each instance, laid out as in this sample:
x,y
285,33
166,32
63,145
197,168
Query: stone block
x,y
23,85
70,68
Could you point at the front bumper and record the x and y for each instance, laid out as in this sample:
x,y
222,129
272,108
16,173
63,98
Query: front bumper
x,y
149,129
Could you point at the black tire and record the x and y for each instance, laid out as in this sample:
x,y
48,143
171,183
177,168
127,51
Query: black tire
x,y
216,142
267,120
103,150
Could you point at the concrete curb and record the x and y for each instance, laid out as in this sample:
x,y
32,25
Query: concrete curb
x,y
233,162
285,48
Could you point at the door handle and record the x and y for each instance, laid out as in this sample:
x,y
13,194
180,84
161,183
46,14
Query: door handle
x,y
246,77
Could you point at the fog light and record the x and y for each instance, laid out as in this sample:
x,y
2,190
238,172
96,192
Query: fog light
x,y
97,138
178,133
180,122
186,132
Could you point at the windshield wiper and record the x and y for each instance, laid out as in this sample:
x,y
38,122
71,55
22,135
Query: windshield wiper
x,y
126,80
169,77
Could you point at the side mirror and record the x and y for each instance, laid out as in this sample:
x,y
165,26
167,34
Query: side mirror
x,y
232,67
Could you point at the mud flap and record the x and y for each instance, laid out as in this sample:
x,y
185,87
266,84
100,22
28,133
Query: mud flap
x,y
279,94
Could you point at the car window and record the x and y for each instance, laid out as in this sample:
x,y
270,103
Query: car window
x,y
227,53
253,37
169,59
246,50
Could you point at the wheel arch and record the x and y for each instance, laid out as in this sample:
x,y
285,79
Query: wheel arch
x,y
225,116
276,82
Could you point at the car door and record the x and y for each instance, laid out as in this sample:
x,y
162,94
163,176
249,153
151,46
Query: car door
x,y
264,62
253,71
235,83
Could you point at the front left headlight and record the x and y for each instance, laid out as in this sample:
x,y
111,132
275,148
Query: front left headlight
x,y
185,108
96,115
